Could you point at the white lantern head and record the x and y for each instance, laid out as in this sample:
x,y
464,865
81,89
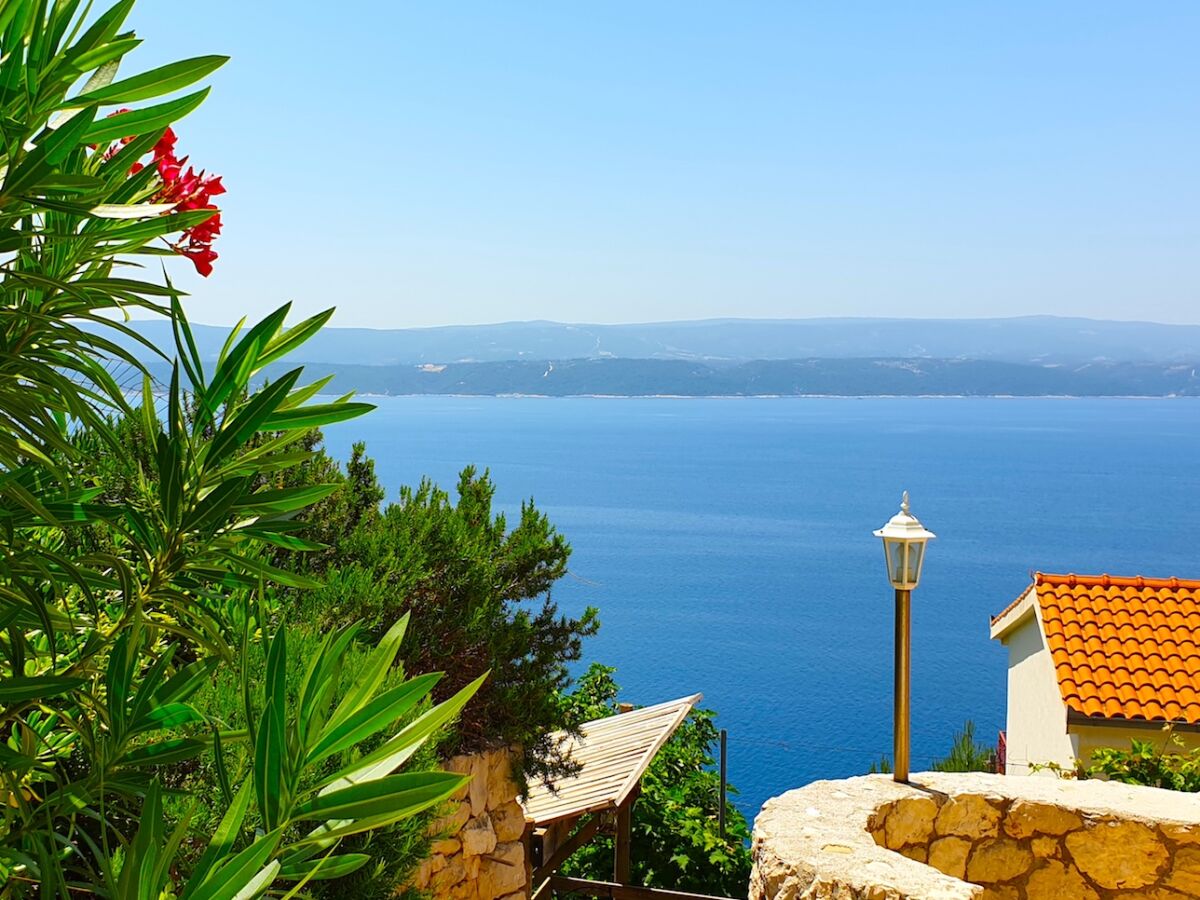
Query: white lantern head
x,y
904,539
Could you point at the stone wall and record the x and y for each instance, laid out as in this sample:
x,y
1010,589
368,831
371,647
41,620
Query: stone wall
x,y
477,852
953,837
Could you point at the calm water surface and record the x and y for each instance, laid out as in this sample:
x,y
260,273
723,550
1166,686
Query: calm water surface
x,y
728,543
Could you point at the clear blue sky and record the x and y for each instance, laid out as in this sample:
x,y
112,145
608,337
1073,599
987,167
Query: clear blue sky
x,y
459,162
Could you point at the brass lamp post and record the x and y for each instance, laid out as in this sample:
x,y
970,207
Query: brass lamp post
x,y
904,541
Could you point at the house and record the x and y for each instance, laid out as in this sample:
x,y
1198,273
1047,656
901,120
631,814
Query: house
x,y
1095,660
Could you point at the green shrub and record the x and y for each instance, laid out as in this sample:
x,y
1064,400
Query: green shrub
x,y
1168,765
965,756
479,593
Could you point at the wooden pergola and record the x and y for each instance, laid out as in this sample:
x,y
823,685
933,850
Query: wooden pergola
x,y
612,755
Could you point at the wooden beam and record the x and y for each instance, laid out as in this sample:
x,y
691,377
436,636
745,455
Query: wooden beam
x,y
586,832
527,854
622,860
561,884
544,891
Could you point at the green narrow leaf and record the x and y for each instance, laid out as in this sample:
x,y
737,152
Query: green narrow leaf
x,y
241,362
163,80
223,838
289,340
250,419
396,751
321,680
325,868
286,500
240,872
316,416
139,121
372,717
373,672
16,690
103,30
395,795
40,162
219,765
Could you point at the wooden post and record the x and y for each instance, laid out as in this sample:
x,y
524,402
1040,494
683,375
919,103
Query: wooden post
x,y
527,847
622,867
722,794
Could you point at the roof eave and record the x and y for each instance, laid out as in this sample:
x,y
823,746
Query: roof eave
x,y
1076,718
1017,614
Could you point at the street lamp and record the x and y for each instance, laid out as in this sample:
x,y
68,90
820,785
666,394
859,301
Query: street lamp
x,y
904,539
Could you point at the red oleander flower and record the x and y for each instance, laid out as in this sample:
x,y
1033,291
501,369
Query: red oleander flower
x,y
187,191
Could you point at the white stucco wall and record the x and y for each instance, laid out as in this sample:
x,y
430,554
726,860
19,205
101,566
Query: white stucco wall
x,y
1037,719
1086,738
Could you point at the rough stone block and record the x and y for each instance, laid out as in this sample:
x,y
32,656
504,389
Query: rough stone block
x,y
502,872
460,765
916,852
452,820
1184,835
501,787
1053,879
447,847
911,822
1184,874
424,872
949,855
471,864
998,860
478,837
1026,819
969,816
452,874
477,792
1045,847
878,817
508,821
1118,854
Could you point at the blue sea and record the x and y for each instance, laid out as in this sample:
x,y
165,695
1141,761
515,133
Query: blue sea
x,y
727,542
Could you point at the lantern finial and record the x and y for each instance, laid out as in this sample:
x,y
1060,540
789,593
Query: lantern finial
x,y
904,503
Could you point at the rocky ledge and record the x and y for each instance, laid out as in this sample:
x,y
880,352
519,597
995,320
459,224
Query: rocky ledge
x,y
975,837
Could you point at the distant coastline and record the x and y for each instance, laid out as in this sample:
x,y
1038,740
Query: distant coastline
x,y
1020,357
862,377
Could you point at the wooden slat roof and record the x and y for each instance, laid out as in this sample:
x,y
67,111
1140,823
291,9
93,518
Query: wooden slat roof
x,y
613,754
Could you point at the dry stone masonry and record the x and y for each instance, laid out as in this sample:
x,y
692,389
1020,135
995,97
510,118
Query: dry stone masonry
x,y
477,853
984,837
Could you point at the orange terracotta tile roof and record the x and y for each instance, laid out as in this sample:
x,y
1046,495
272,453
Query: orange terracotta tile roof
x,y
1125,648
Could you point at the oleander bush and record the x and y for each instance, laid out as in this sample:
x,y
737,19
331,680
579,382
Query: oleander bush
x,y
120,606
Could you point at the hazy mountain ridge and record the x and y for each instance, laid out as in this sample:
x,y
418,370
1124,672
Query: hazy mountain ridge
x,y
1031,339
